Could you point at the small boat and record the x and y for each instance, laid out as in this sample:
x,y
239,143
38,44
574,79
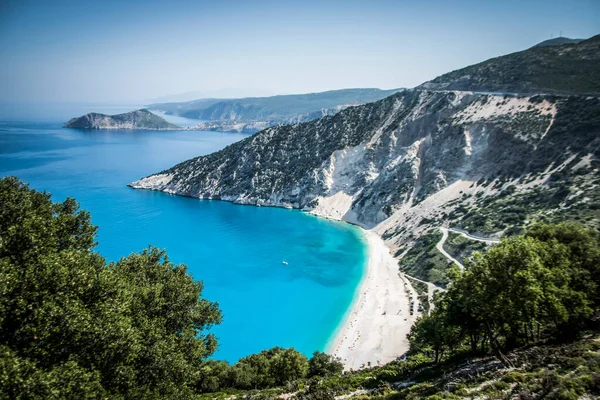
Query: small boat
x,y
284,262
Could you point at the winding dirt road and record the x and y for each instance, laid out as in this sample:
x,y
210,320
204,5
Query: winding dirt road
x,y
440,244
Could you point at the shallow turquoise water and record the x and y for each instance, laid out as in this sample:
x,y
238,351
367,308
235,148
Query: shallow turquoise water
x,y
238,251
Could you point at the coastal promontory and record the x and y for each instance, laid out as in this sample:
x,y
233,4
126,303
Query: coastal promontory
x,y
138,119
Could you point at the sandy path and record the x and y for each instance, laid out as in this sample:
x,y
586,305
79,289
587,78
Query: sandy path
x,y
376,327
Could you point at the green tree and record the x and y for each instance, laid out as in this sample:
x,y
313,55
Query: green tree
x,y
69,322
213,376
520,290
583,251
435,332
274,367
512,288
322,364
288,365
254,371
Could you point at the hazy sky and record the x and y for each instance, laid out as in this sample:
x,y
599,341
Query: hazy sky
x,y
128,51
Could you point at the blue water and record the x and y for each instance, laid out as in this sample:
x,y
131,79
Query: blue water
x,y
238,251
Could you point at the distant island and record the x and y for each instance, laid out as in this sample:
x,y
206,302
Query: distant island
x,y
138,119
246,115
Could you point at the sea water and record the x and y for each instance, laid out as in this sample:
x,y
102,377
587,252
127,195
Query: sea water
x,y
281,277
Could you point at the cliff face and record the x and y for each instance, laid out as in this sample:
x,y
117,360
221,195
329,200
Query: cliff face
x,y
411,162
139,119
458,156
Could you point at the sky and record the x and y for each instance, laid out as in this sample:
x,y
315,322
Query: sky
x,y
136,51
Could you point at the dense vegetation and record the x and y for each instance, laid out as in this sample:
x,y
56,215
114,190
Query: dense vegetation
x,y
424,261
272,368
543,284
74,326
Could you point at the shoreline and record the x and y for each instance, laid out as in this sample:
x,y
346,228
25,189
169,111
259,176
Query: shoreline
x,y
375,327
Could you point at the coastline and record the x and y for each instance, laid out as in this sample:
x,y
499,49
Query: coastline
x,y
375,328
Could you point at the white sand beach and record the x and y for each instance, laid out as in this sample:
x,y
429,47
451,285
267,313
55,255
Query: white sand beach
x,y
375,329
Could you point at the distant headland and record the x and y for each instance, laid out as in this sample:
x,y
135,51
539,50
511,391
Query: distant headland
x,y
138,119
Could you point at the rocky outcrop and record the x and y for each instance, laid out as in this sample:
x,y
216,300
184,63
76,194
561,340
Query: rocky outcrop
x,y
139,119
459,155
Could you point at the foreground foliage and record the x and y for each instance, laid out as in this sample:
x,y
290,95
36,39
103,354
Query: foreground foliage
x,y
72,325
543,284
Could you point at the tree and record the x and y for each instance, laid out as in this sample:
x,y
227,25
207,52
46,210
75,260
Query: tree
x,y
269,368
523,288
135,328
583,251
288,365
435,332
322,364
513,290
255,370
213,376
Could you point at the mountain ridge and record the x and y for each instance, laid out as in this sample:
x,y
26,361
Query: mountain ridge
x,y
251,114
560,69
558,41
380,161
417,160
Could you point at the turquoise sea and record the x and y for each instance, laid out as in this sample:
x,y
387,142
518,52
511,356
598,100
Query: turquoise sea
x,y
238,251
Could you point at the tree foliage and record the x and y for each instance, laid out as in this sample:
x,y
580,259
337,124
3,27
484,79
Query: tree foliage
x,y
73,326
322,364
542,284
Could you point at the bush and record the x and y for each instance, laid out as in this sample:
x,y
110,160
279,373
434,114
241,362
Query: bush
x,y
322,364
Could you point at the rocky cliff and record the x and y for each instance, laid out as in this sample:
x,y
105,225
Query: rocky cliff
x,y
139,119
410,162
418,160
